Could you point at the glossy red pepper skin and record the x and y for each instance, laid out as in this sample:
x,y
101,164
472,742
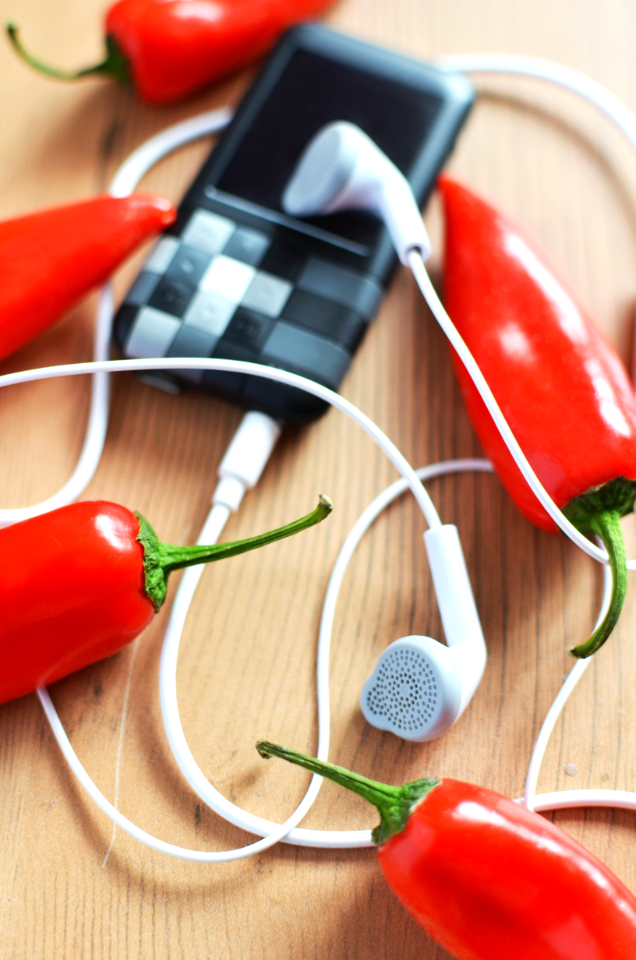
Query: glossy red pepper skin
x,y
560,384
72,588
178,47
487,878
490,880
54,257
80,582
167,50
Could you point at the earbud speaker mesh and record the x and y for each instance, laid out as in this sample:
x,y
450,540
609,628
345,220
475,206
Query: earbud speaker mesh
x,y
402,694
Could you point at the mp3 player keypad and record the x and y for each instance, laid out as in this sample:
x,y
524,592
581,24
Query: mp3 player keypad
x,y
224,289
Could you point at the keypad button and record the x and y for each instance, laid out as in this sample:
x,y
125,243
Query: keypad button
x,y
248,328
208,231
321,359
142,289
152,334
209,313
283,261
325,317
188,266
162,254
192,342
227,278
267,294
171,296
247,245
350,289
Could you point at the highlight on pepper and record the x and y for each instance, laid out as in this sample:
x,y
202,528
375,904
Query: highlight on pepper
x,y
558,381
52,258
487,878
80,582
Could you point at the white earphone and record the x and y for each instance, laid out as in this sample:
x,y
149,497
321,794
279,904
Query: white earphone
x,y
419,687
341,168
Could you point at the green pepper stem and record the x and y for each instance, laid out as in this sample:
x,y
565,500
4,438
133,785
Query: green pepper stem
x,y
175,558
161,559
606,525
598,512
394,804
113,65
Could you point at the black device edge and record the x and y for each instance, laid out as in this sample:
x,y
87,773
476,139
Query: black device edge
x,y
456,94
456,98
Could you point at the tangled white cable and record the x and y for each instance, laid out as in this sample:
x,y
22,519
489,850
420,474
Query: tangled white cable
x,y
124,182
272,833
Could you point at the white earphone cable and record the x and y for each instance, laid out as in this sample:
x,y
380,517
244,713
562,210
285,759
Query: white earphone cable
x,y
288,832
625,120
124,182
537,69
209,794
272,832
620,115
430,295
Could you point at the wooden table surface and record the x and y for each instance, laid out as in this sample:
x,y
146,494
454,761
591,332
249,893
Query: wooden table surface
x,y
70,886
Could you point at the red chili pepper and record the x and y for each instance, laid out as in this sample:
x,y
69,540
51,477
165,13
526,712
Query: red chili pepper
x,y
52,258
560,384
486,877
79,583
169,49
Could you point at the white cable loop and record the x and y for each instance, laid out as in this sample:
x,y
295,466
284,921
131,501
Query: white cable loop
x,y
182,853
625,120
218,516
592,91
560,701
123,183
288,832
273,832
168,675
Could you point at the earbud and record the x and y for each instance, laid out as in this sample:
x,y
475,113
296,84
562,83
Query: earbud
x,y
342,168
420,687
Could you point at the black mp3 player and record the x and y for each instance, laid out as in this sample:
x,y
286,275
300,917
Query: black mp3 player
x,y
236,277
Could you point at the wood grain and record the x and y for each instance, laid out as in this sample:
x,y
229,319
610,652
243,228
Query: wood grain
x,y
68,887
